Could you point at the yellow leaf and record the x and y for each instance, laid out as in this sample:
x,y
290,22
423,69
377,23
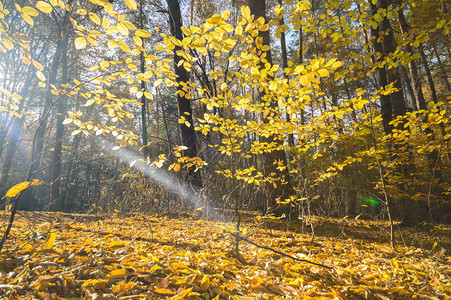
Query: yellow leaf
x,y
264,27
128,25
215,20
118,273
27,19
37,65
337,64
95,283
12,192
323,72
40,75
225,14
265,113
36,182
166,292
50,241
30,11
104,64
131,4
118,287
435,245
94,18
44,7
112,44
181,295
80,42
245,12
105,23
8,44
124,47
395,263
123,287
205,283
142,33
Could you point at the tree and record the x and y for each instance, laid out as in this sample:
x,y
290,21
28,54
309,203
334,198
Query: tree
x,y
183,98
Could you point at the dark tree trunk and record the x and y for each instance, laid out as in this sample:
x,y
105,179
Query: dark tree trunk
x,y
184,104
61,110
389,46
381,74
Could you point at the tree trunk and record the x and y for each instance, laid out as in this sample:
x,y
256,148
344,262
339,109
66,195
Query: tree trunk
x,y
61,110
381,74
184,104
28,201
389,46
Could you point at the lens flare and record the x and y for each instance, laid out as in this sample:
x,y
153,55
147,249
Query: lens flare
x,y
171,183
369,201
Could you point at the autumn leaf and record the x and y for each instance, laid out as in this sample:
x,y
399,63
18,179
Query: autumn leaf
x,y
15,190
181,295
142,33
205,283
44,7
80,42
131,4
163,291
119,273
50,241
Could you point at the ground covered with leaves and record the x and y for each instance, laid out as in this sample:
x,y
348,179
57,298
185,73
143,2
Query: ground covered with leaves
x,y
56,256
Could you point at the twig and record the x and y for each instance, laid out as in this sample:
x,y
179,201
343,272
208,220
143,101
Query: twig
x,y
237,236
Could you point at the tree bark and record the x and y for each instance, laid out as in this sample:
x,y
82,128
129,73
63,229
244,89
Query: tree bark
x,y
381,75
61,110
389,46
184,104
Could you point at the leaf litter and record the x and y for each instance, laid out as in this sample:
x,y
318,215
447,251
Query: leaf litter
x,y
159,257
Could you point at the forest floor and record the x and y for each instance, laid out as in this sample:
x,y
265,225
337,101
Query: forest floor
x,y
63,256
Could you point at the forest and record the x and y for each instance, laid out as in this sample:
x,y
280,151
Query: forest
x,y
230,149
